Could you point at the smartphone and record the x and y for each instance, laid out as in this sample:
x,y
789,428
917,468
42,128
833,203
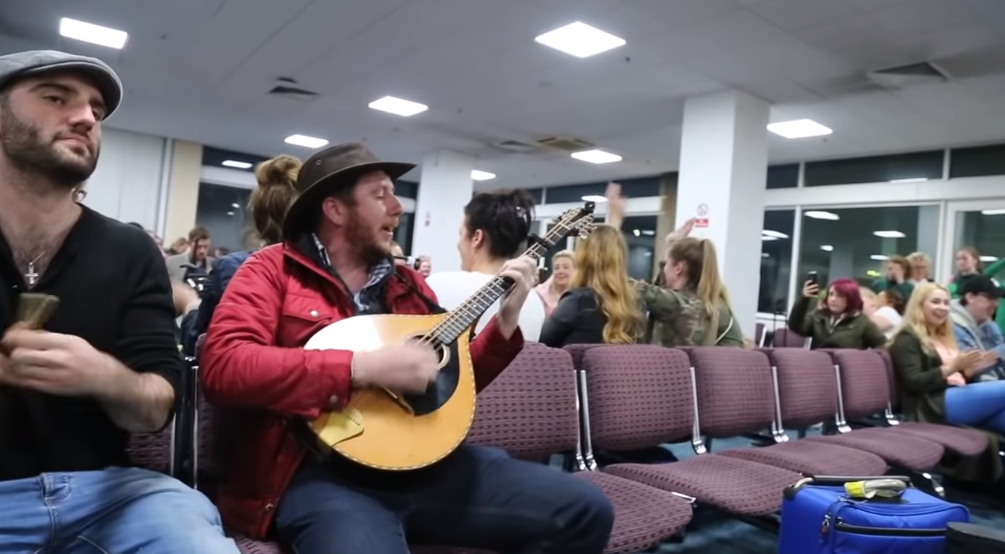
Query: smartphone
x,y
811,278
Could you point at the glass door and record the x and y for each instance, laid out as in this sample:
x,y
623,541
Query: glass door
x,y
976,224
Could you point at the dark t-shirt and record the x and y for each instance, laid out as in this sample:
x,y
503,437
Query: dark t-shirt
x,y
114,292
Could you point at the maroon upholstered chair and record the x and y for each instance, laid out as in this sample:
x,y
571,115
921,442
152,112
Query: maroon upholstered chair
x,y
530,411
736,397
865,391
959,440
642,396
153,451
787,338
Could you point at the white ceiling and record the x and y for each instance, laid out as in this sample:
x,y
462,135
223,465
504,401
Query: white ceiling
x,y
200,70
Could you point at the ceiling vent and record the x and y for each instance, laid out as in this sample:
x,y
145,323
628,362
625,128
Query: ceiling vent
x,y
908,75
288,88
568,144
515,146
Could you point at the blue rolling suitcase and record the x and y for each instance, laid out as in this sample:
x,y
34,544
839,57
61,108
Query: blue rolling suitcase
x,y
819,517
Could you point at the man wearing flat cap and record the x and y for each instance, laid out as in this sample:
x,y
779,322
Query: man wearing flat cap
x,y
87,354
336,263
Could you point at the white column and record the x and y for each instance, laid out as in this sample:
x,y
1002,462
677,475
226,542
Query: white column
x,y
445,187
723,169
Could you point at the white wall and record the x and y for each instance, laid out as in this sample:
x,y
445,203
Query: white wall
x,y
128,181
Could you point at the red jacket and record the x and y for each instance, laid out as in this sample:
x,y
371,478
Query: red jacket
x,y
253,358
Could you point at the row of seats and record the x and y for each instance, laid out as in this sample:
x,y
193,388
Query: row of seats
x,y
590,398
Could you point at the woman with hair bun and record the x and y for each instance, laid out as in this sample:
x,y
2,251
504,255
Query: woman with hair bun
x,y
268,204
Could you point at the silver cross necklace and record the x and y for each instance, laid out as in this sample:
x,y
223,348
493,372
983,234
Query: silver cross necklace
x,y
31,276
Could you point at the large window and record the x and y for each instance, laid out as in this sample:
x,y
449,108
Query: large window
x,y
983,230
856,242
875,169
222,210
776,261
640,237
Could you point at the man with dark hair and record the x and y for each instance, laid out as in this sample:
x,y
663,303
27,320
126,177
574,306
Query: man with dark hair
x,y
106,362
195,263
495,229
336,263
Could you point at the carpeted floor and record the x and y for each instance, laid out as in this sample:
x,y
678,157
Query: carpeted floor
x,y
722,535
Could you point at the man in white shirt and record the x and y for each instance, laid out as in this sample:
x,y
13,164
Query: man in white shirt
x,y
495,229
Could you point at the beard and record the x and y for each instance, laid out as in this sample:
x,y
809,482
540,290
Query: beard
x,y
368,244
22,144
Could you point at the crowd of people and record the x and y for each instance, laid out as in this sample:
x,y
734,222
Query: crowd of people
x,y
106,364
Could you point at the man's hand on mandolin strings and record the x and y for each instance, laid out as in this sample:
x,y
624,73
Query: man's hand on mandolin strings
x,y
408,368
522,271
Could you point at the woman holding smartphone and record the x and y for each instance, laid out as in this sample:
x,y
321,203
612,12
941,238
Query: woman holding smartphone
x,y
836,322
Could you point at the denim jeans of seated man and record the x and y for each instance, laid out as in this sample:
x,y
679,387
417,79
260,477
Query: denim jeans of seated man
x,y
114,511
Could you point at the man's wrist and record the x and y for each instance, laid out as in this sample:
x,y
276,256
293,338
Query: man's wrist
x,y
113,380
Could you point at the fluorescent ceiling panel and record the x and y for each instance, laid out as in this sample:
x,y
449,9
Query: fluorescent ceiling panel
x,y
580,40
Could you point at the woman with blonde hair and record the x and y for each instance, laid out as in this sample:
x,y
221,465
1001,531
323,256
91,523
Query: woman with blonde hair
x,y
934,377
551,291
268,204
694,308
600,307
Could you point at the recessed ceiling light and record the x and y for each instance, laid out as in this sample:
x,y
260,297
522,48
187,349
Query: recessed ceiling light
x,y
768,238
95,34
776,234
580,40
596,157
649,232
827,248
236,164
992,212
911,180
306,141
880,257
765,255
236,206
397,106
799,128
482,175
637,233
230,213
889,234
595,198
989,259
816,214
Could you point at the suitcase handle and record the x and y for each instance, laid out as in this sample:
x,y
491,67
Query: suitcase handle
x,y
831,480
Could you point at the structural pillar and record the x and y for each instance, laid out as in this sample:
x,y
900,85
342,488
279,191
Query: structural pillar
x,y
723,172
445,187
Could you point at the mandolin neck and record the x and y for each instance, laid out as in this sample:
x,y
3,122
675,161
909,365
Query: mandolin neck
x,y
465,315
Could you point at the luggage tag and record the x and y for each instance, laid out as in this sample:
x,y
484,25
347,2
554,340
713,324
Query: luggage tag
x,y
889,490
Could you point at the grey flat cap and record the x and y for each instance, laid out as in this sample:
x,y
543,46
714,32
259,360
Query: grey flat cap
x,y
34,62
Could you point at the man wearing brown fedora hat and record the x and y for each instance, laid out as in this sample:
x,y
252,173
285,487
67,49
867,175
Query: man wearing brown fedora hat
x,y
335,263
74,383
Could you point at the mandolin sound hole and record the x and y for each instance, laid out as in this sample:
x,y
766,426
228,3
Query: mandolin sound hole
x,y
442,389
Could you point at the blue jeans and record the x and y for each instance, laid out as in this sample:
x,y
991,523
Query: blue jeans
x,y
115,511
476,497
978,405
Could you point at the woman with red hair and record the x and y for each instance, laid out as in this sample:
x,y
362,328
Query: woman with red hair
x,y
838,321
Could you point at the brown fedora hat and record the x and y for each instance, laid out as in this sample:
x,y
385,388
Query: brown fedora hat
x,y
326,172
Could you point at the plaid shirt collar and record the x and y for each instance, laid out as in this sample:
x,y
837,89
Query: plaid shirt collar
x,y
378,272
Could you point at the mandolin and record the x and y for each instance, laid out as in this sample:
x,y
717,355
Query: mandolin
x,y
384,430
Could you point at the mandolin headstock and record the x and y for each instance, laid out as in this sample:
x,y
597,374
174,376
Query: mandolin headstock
x,y
577,221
